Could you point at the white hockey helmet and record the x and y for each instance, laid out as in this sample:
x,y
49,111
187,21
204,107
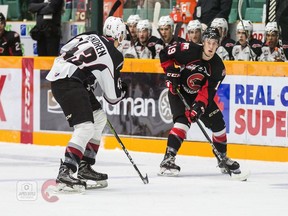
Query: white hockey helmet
x,y
133,19
165,21
144,24
194,25
246,26
220,23
271,27
114,27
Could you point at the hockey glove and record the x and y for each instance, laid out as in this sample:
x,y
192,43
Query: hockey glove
x,y
197,109
173,79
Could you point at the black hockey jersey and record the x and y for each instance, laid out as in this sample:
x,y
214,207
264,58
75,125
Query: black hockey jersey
x,y
197,75
228,44
10,44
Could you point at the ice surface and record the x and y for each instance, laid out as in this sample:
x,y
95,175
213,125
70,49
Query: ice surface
x,y
199,190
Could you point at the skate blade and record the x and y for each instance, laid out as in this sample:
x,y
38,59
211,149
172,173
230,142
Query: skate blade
x,y
168,172
67,189
96,184
243,176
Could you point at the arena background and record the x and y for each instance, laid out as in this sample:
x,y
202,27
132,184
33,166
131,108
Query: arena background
x,y
253,98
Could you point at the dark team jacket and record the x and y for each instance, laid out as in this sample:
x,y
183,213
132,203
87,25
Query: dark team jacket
x,y
151,45
10,44
51,27
228,44
197,75
211,9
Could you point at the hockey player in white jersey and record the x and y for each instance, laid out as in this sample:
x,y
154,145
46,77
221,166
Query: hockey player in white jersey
x,y
224,51
132,22
246,48
140,49
194,31
272,50
127,47
85,60
166,28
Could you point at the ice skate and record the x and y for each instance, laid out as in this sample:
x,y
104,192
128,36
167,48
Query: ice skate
x,y
92,178
67,183
232,165
168,166
234,168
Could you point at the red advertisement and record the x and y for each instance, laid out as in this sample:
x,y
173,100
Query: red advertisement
x,y
27,100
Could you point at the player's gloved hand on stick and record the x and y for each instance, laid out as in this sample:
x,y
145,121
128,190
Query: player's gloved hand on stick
x,y
173,79
197,109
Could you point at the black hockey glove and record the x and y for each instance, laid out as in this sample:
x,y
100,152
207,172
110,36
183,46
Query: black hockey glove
x,y
197,109
124,89
173,79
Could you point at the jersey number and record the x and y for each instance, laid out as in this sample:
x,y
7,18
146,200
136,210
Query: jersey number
x,y
81,55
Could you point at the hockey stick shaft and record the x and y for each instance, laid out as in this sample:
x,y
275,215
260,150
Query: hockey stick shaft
x,y
240,3
114,7
144,179
217,154
177,30
132,41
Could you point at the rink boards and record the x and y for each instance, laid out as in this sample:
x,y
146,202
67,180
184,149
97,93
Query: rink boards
x,y
253,99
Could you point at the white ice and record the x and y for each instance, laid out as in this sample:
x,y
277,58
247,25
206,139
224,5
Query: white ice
x,y
199,190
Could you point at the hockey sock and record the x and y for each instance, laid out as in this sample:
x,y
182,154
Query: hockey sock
x,y
175,139
90,153
73,155
220,141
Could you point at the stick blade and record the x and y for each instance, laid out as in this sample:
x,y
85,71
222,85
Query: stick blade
x,y
145,180
243,176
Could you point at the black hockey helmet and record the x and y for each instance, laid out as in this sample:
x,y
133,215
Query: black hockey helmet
x,y
211,33
2,18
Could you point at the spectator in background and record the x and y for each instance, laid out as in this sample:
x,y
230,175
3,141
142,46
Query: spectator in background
x,y
226,43
207,10
271,50
151,3
246,48
47,31
10,44
281,17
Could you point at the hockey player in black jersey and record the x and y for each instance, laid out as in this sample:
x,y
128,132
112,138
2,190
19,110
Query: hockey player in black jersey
x,y
85,60
200,73
10,44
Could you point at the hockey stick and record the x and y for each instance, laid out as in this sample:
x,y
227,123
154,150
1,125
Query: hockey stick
x,y
177,30
114,8
132,41
144,179
240,3
156,13
217,154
